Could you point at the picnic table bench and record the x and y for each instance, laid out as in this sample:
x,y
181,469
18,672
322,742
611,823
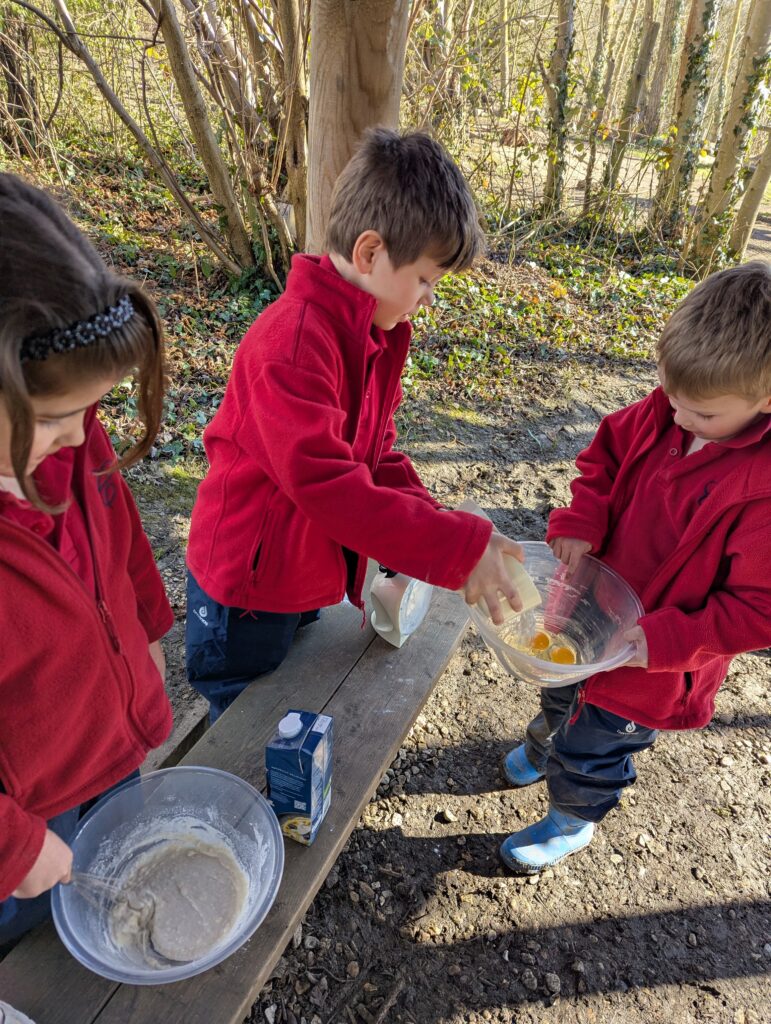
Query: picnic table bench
x,y
374,692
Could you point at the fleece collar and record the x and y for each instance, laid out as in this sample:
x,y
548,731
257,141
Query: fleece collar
x,y
316,280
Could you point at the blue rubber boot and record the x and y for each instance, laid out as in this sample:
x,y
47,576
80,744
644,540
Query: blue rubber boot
x,y
546,843
517,770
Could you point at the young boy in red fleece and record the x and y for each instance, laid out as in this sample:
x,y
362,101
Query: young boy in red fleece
x,y
675,495
304,483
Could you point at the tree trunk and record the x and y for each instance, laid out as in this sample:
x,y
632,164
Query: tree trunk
x,y
294,135
591,103
632,99
556,83
265,61
505,93
720,110
669,41
598,98
746,215
593,137
673,194
357,65
748,99
24,122
627,34
220,50
198,120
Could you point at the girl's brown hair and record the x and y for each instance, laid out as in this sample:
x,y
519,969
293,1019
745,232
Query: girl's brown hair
x,y
52,277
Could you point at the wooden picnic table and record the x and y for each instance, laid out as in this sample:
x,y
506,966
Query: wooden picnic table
x,y
374,692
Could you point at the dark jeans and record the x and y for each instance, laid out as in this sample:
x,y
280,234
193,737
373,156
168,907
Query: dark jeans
x,y
18,916
226,648
587,763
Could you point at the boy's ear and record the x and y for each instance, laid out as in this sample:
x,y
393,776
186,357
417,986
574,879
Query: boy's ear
x,y
766,407
366,249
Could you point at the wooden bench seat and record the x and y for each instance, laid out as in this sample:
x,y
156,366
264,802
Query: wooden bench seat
x,y
374,692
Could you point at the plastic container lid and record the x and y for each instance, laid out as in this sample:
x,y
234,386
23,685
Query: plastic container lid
x,y
290,725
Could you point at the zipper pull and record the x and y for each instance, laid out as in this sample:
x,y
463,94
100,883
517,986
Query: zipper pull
x,y
108,625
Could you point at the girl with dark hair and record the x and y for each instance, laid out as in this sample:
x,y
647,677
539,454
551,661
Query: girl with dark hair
x,y
82,606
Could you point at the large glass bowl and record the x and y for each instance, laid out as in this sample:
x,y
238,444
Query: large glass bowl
x,y
130,822
586,613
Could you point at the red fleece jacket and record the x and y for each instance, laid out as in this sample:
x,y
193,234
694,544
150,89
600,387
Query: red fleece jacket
x,y
302,463
81,701
706,591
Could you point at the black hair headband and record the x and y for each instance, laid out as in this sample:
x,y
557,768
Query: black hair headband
x,y
80,334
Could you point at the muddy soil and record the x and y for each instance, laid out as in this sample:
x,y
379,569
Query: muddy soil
x,y
664,918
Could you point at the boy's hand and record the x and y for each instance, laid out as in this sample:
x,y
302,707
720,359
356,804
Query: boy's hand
x,y
156,653
636,636
54,864
570,550
489,576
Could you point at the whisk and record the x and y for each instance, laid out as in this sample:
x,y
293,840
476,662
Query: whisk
x,y
98,890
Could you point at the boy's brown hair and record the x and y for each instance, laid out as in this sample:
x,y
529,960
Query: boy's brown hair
x,y
718,340
52,278
409,190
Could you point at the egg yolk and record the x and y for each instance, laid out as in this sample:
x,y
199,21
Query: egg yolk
x,y
563,656
540,642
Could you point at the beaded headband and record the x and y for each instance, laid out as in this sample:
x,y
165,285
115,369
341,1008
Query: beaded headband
x,y
80,334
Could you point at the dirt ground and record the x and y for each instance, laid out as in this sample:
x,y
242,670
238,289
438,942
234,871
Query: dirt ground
x,y
664,918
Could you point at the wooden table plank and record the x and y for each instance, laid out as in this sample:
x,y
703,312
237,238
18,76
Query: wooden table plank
x,y
366,719
64,992
336,667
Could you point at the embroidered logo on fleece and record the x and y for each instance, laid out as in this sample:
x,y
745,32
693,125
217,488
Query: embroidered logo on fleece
x,y
706,492
108,489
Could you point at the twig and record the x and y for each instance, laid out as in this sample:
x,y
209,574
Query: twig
x,y
391,873
347,995
390,999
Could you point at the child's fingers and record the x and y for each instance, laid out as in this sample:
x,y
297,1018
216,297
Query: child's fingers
x,y
515,550
494,608
573,560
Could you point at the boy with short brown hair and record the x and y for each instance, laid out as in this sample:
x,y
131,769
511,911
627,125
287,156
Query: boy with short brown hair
x,y
304,482
675,495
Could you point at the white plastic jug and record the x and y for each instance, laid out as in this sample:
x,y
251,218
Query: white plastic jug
x,y
399,605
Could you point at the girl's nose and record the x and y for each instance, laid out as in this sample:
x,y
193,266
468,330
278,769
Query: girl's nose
x,y
73,434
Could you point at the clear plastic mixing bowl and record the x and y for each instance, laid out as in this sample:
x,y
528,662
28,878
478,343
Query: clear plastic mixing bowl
x,y
587,613
132,821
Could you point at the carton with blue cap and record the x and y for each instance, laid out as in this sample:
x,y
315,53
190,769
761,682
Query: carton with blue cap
x,y
298,764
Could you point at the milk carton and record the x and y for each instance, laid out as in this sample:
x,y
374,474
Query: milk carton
x,y
298,762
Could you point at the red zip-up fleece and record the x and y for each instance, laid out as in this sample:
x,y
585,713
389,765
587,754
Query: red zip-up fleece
x,y
692,534
302,462
81,701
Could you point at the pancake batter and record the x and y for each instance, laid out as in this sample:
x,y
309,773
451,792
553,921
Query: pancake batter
x,y
180,901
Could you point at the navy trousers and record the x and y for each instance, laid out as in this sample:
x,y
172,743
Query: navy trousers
x,y
18,916
226,648
588,763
